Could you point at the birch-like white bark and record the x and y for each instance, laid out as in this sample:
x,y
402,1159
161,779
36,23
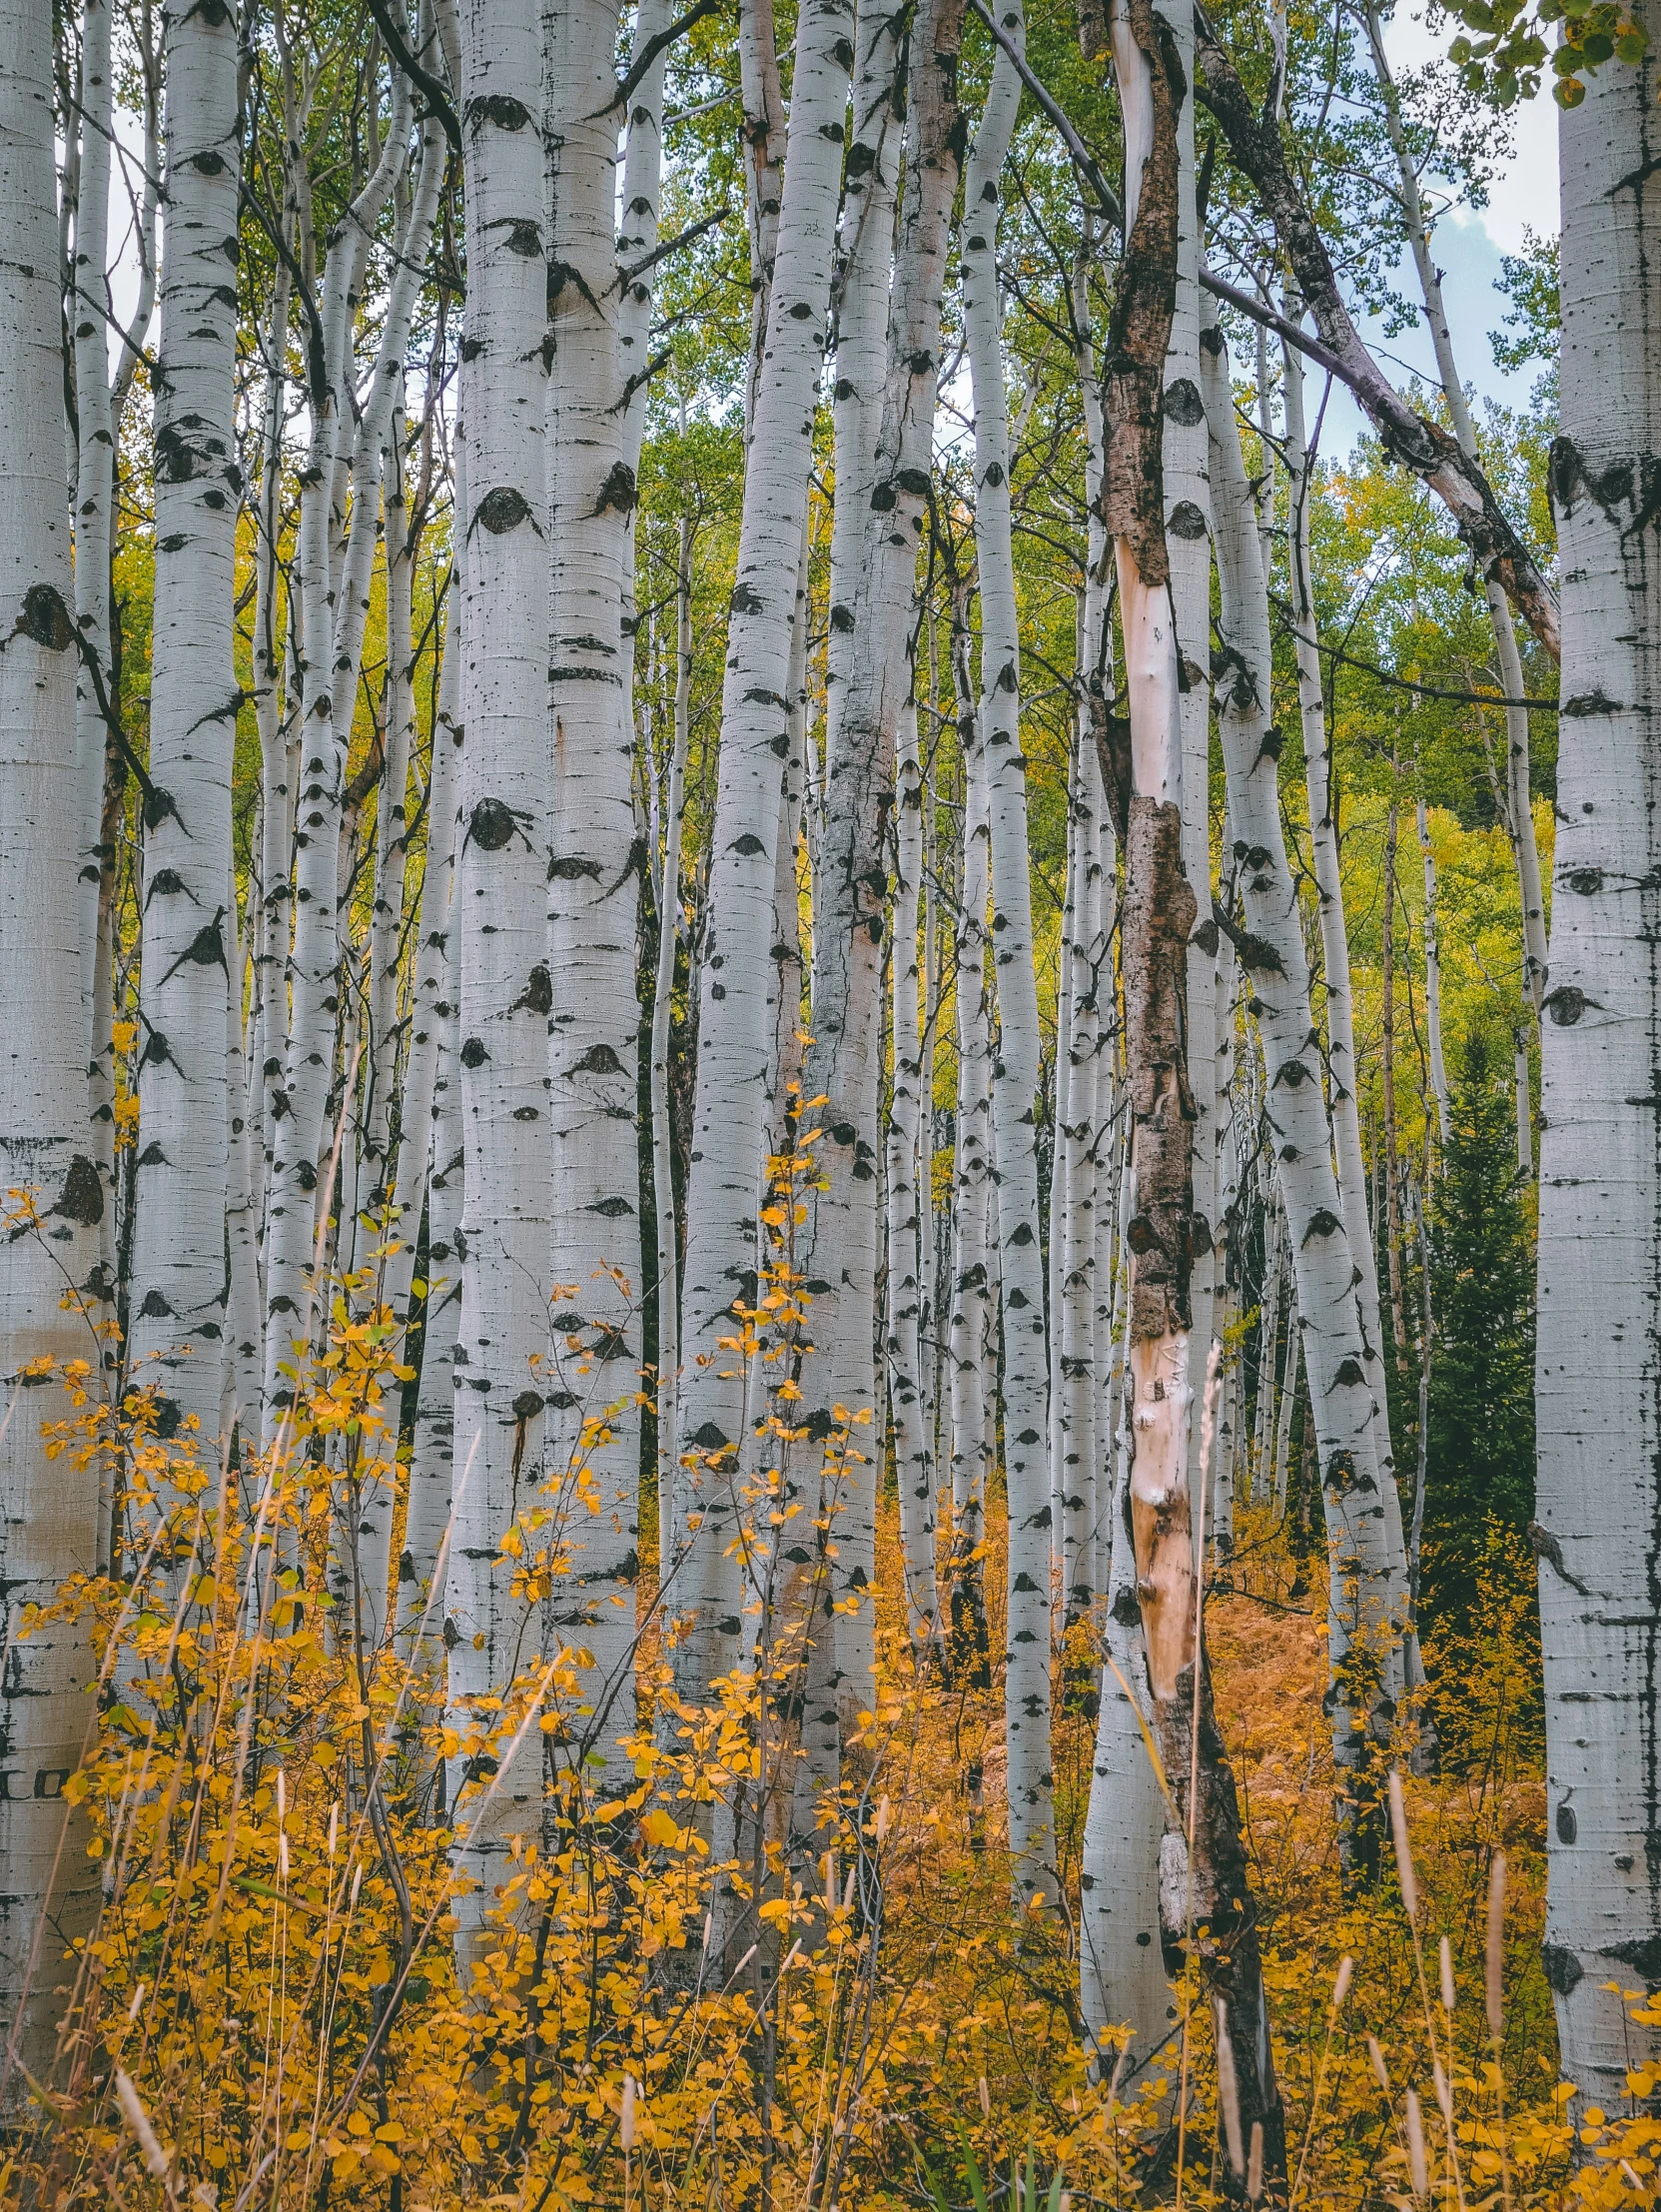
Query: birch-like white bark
x,y
729,1114
913,1461
48,1510
843,1062
1341,1066
595,1258
177,1288
1362,1623
1015,1077
669,920
1525,847
971,1182
499,921
1599,1438
1433,978
334,579
432,1012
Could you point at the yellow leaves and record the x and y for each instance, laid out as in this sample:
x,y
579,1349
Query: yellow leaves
x,y
664,1834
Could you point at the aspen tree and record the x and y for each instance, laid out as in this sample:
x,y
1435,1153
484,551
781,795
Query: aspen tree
x,y
669,920
178,1292
913,1461
499,913
730,1107
1598,1450
1433,976
1363,1622
1206,1869
333,600
971,1189
1343,1071
1188,552
843,1062
593,874
1519,805
1258,152
1015,1076
428,1496
48,1510
89,310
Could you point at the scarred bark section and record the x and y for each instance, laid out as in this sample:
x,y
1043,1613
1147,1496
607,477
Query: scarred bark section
x,y
1159,915
1211,1893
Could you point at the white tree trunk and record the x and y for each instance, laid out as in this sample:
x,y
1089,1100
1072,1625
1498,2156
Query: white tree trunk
x,y
1015,1077
971,1187
669,920
1343,1071
333,610
730,1110
594,1040
1346,1417
1599,1492
501,929
177,1288
421,1159
913,1461
1525,847
1433,978
48,1510
843,1062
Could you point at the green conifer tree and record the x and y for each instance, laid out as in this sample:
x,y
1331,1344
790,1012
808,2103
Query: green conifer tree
x,y
1481,1456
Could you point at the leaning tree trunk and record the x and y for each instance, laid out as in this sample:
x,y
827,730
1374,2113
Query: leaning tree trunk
x,y
499,921
1214,1889
730,1115
177,1288
1363,1618
1508,658
48,1510
1258,152
1342,1068
1599,1403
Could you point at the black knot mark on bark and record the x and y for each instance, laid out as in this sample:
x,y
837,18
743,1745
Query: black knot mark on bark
x,y
537,995
44,618
748,845
745,599
473,1054
491,826
499,108
600,1059
501,511
618,490
1187,521
205,950
1562,1969
1567,1004
1586,881
1350,1374
1322,1223
613,1209
1182,404
82,1197
568,868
